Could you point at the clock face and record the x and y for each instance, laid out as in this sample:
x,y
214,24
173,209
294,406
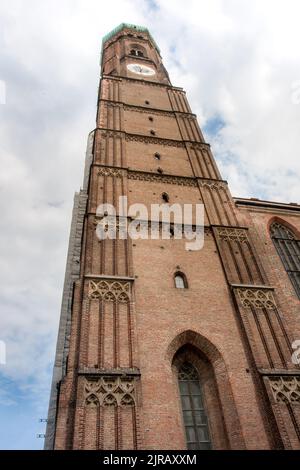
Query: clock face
x,y
141,69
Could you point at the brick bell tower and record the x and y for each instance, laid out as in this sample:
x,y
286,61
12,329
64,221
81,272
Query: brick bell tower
x,y
160,347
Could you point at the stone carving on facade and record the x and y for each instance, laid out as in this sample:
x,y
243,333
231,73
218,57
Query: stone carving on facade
x,y
111,133
108,171
109,391
157,112
154,140
257,298
189,116
232,234
109,291
112,104
211,184
285,389
179,180
199,146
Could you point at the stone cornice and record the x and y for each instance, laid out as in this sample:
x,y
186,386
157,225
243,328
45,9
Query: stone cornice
x,y
97,219
106,170
279,372
91,371
154,139
142,81
110,278
251,286
167,179
147,109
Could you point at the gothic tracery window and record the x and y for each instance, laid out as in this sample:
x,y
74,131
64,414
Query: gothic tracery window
x,y
288,248
193,409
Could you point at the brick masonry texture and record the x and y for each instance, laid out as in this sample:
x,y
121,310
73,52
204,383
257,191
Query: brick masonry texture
x,y
126,330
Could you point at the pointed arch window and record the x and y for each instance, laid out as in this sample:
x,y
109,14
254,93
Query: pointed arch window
x,y
288,248
193,409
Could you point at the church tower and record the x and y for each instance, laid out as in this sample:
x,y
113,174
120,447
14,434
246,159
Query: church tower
x,y
161,347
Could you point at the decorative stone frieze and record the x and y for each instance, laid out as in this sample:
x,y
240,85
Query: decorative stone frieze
x,y
257,298
285,389
109,391
179,180
109,290
232,234
109,171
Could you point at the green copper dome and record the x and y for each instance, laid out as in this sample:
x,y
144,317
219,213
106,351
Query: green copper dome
x,y
134,27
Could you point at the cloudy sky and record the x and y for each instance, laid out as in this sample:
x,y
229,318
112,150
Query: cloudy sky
x,y
240,64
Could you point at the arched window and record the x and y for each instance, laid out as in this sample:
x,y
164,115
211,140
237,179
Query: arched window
x,y
180,281
193,409
288,248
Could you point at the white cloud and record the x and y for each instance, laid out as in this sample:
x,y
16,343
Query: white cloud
x,y
238,62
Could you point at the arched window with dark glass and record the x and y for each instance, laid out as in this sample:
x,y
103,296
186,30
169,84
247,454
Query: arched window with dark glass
x,y
193,408
288,248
